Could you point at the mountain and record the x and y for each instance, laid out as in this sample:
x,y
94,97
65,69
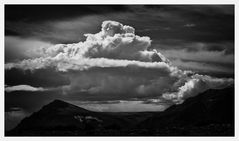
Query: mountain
x,y
61,118
210,113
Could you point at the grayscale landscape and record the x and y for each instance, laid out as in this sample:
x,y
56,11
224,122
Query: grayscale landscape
x,y
119,70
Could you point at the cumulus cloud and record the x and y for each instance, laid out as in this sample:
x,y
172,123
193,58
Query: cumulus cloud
x,y
197,84
118,64
23,88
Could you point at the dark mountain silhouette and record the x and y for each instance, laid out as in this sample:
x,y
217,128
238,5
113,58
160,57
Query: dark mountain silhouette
x,y
60,116
209,114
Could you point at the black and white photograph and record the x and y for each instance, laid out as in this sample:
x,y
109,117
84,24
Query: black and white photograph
x,y
116,70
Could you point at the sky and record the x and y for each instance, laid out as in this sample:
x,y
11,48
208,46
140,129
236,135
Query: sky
x,y
114,58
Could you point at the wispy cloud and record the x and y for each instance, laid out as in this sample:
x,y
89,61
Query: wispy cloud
x,y
189,25
23,88
203,56
121,106
17,48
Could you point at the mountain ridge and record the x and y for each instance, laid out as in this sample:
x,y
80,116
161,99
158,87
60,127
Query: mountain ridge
x,y
209,113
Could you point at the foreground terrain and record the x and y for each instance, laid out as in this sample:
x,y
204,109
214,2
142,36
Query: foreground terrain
x,y
209,114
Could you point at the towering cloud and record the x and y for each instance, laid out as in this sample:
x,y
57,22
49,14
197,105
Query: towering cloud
x,y
118,64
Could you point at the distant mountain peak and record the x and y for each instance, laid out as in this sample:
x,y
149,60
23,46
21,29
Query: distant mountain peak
x,y
58,100
58,104
61,106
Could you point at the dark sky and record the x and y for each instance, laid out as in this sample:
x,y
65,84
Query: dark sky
x,y
190,27
199,38
211,23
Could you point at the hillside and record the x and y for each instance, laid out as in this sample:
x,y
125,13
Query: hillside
x,y
209,114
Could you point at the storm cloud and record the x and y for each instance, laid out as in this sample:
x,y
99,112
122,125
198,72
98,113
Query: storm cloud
x,y
115,63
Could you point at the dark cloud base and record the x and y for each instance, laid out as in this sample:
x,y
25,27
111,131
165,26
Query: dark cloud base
x,y
37,78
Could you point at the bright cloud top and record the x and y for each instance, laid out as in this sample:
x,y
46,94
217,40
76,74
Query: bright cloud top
x,y
117,64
